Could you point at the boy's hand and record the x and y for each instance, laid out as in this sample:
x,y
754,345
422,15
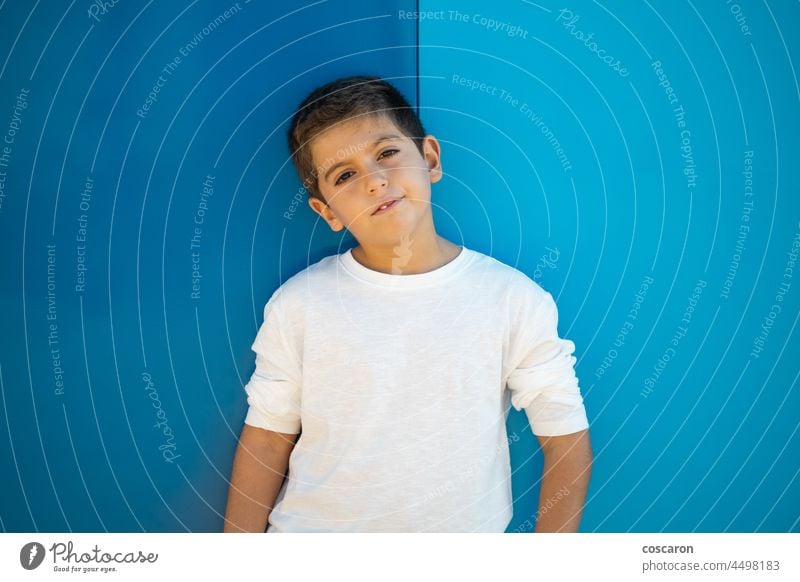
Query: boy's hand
x,y
565,479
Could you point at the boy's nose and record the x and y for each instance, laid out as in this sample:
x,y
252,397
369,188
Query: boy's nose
x,y
376,181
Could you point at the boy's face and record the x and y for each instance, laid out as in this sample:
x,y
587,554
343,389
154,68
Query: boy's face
x,y
364,162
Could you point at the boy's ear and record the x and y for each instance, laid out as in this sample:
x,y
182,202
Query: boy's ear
x,y
326,213
433,152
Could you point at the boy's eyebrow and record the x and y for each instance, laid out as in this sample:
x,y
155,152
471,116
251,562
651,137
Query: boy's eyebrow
x,y
387,137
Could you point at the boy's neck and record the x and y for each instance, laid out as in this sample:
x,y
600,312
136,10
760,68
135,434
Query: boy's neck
x,y
410,256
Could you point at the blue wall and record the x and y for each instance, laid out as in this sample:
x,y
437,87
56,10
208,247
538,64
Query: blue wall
x,y
620,186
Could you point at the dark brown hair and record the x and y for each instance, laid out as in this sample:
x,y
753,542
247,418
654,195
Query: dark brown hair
x,y
338,101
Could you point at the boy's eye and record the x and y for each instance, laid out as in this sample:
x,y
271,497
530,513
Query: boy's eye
x,y
343,177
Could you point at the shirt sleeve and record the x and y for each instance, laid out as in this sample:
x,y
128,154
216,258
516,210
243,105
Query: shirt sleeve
x,y
542,379
273,392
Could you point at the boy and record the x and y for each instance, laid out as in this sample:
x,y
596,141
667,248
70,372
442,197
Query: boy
x,y
393,358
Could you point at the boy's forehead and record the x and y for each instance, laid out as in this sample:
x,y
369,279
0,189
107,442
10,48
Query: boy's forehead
x,y
346,138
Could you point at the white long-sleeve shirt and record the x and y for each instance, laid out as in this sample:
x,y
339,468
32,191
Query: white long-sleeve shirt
x,y
401,386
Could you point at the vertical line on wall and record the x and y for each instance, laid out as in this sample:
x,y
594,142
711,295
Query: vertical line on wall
x,y
417,57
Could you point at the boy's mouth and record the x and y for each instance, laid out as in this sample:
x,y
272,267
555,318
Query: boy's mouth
x,y
386,205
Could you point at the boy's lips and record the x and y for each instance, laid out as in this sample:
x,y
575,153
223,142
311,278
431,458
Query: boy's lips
x,y
392,202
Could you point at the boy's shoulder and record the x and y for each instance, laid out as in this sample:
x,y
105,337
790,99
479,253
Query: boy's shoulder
x,y
298,288
517,283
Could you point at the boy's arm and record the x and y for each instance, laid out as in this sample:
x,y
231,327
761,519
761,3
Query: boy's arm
x,y
259,467
565,479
